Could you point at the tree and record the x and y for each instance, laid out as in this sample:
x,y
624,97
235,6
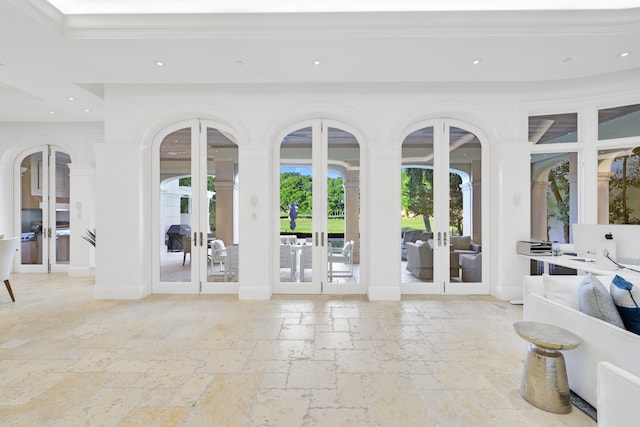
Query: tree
x,y
417,193
626,175
456,211
335,195
295,188
559,207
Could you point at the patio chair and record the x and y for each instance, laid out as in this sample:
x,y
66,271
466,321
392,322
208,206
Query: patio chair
x,y
218,253
231,269
306,260
8,248
288,259
342,255
186,248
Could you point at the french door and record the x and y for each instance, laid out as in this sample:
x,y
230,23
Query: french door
x,y
442,210
44,220
195,239
317,232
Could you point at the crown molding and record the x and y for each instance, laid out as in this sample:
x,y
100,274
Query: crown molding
x,y
370,24
42,12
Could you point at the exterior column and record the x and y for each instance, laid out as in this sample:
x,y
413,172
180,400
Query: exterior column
x,y
572,177
352,211
224,183
81,206
539,210
603,196
467,209
476,201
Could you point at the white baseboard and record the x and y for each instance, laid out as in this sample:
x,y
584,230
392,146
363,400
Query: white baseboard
x,y
387,293
254,293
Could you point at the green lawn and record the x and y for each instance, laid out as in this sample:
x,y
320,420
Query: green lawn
x,y
336,225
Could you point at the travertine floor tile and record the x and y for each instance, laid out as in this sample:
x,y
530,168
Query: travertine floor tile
x,y
186,360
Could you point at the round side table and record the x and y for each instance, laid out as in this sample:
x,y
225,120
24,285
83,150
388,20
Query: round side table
x,y
544,378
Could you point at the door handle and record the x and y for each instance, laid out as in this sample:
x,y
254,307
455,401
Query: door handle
x,y
195,238
322,239
201,239
439,239
446,241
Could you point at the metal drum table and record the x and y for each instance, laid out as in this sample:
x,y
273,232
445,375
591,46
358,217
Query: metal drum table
x,y
544,379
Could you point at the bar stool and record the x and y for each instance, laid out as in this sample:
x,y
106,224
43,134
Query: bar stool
x,y
544,378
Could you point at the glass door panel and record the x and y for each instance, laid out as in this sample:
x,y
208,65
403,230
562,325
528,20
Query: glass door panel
x,y
295,260
465,208
343,207
220,259
176,208
61,242
33,214
417,197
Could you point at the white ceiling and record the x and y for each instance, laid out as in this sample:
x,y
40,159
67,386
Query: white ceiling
x,y
47,56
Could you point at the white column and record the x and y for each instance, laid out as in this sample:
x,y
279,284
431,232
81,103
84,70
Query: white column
x,y
383,232
352,211
256,231
122,248
539,210
225,174
572,177
467,208
476,201
81,207
603,196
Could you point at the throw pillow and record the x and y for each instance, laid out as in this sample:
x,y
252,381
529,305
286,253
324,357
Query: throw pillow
x,y
562,289
596,301
626,296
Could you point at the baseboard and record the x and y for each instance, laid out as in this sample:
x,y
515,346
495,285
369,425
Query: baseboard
x,y
254,293
81,271
386,293
120,292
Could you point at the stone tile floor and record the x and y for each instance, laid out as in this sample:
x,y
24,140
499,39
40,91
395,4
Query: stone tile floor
x,y
178,360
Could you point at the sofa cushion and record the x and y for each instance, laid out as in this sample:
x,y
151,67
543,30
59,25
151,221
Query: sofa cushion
x,y
461,243
626,297
347,248
596,301
562,289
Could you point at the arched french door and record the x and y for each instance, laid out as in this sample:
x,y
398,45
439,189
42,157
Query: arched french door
x,y
43,218
195,227
441,199
317,240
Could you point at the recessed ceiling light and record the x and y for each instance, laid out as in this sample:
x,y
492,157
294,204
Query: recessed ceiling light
x,y
86,110
475,61
316,62
171,153
568,59
52,112
623,54
159,64
239,63
71,98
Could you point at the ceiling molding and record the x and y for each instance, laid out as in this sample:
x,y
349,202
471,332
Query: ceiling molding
x,y
371,24
42,12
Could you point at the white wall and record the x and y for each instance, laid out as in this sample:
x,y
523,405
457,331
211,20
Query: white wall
x,y
256,114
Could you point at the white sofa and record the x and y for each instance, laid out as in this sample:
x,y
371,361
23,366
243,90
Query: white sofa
x,y
601,341
618,393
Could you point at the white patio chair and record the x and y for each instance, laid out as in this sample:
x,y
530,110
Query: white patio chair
x,y
306,257
231,269
343,256
288,259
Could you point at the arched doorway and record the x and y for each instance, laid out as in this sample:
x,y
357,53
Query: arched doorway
x,y
318,240
43,201
441,205
195,229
